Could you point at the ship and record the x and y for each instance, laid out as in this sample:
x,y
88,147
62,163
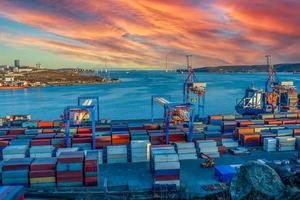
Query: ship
x,y
13,87
276,97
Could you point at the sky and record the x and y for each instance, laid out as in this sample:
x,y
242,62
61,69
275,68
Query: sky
x,y
141,34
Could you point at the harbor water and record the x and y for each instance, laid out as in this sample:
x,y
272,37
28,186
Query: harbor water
x,y
131,98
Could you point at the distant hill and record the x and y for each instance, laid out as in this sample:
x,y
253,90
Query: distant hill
x,y
294,67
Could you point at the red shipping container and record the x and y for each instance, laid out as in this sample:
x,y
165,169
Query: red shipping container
x,y
40,142
81,140
103,128
84,130
71,157
151,126
69,179
16,131
39,167
166,177
42,174
67,174
90,168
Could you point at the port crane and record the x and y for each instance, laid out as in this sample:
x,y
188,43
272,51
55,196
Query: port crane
x,y
71,119
276,97
87,110
192,87
174,113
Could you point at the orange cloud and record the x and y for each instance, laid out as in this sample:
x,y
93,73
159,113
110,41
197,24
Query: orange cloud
x,y
140,33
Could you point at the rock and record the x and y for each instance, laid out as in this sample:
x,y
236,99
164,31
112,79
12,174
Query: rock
x,y
255,180
290,194
287,177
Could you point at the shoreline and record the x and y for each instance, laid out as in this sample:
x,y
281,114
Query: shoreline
x,y
64,84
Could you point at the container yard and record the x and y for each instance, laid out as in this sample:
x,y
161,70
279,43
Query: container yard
x,y
181,155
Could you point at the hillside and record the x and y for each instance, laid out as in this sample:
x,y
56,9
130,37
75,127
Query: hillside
x,y
294,67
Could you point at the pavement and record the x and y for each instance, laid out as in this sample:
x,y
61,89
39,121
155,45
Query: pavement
x,y
137,176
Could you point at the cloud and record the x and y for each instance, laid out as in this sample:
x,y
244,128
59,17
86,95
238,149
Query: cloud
x,y
140,33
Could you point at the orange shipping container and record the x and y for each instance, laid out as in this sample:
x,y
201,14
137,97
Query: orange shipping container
x,y
45,124
289,121
245,130
216,117
274,122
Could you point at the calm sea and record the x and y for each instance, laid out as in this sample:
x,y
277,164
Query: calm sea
x,y
131,98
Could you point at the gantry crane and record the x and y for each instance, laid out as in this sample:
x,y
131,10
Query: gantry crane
x,y
192,87
175,113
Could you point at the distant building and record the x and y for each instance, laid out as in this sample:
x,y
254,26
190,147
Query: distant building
x,y
9,79
17,63
4,67
24,69
15,69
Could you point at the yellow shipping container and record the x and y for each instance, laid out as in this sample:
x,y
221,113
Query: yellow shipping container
x,y
42,180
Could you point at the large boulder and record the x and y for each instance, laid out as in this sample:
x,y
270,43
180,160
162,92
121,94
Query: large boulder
x,y
255,180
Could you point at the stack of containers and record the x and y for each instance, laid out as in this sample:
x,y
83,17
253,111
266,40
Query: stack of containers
x,y
139,135
30,124
91,168
297,142
69,169
41,151
135,126
14,151
16,171
151,126
139,150
286,143
103,139
186,151
84,132
120,137
100,156
58,142
120,134
42,139
243,130
250,140
117,154
18,142
165,165
228,126
42,172
269,144
266,134
213,132
61,150
208,147
215,119
16,131
84,143
296,131
176,136
229,143
283,132
156,137
197,135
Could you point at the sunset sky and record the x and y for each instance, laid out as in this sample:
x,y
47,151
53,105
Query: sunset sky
x,y
140,33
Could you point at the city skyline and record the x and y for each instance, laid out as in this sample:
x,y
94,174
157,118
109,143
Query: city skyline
x,y
140,34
